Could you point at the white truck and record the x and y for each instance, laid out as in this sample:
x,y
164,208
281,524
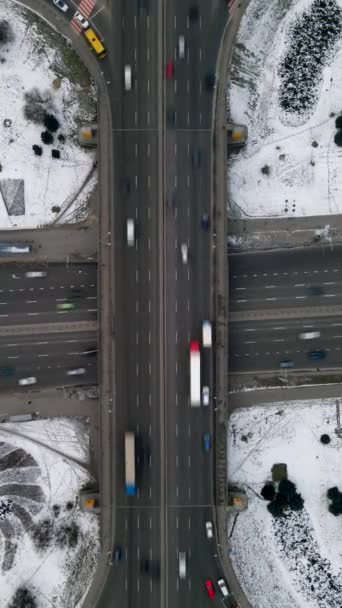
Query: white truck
x,y
195,374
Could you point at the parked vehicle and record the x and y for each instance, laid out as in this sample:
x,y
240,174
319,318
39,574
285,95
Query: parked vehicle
x,y
82,20
223,587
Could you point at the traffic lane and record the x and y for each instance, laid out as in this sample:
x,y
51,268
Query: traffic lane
x,y
78,343
34,316
13,276
309,263
284,296
47,298
50,373
187,533
138,537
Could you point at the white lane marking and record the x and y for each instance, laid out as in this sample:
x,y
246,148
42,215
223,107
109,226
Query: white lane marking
x,y
18,345
329,295
148,213
150,399
149,369
300,285
176,306
31,301
137,369
135,22
149,244
188,119
188,86
148,54
176,367
177,522
189,430
176,181
176,399
176,274
189,461
175,22
149,306
91,297
88,310
149,337
240,288
250,342
150,523
175,86
148,117
175,149
176,430
3,315
189,526
137,400
188,181
279,328
148,150
136,275
137,306
136,117
149,182
176,337
271,299
43,355
32,314
149,275
148,86
270,286
336,325
13,357
137,338
240,301
249,329
278,340
330,283
136,150
176,460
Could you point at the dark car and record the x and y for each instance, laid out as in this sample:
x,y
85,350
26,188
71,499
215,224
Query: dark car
x,y
193,13
75,292
314,291
117,555
206,439
7,371
317,354
205,221
210,81
170,118
125,185
196,157
144,566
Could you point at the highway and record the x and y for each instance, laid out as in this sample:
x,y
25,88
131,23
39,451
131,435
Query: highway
x,y
275,299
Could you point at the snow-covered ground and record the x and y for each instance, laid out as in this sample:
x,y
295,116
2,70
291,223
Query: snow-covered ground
x,y
302,172
47,545
38,58
294,561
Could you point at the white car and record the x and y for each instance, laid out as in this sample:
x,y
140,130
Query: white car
x,y
82,20
35,274
310,335
184,252
206,334
205,395
128,77
27,381
209,530
130,233
223,587
181,47
78,371
182,564
61,5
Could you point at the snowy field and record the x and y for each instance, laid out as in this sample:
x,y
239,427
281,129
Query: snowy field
x,y
34,189
294,561
286,86
48,546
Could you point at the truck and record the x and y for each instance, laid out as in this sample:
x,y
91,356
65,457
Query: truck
x,y
130,463
195,374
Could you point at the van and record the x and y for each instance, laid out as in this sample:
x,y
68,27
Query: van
x,y
309,335
206,334
130,233
182,564
128,77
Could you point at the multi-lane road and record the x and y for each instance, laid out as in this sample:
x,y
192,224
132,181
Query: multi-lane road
x,y
39,339
276,299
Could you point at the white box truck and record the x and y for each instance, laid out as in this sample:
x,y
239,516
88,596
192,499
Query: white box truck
x,y
195,374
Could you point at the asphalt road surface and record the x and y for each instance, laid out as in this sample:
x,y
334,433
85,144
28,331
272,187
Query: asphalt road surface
x,y
306,286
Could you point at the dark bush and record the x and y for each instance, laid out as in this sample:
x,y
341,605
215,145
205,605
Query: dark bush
x,y
287,488
38,150
275,509
338,138
42,534
67,536
325,439
333,493
335,509
23,598
281,500
338,122
51,122
55,153
6,32
55,209
46,137
268,491
56,510
61,138
69,505
36,103
265,170
296,502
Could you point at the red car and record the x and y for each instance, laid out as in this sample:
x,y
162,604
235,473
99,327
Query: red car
x,y
210,587
170,70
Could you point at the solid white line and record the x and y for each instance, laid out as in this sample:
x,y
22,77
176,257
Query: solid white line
x,y
43,355
271,299
270,286
250,342
31,301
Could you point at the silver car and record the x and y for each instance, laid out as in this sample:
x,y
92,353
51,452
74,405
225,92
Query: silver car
x,y
61,5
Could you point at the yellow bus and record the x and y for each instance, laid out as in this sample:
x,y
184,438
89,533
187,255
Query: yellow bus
x,y
95,43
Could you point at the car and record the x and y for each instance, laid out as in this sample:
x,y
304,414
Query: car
x,y
184,252
7,371
223,587
314,291
286,363
205,395
170,118
117,555
128,77
35,274
125,185
130,232
317,354
205,221
181,47
170,70
82,20
310,335
210,81
75,293
65,306
206,440
144,566
209,587
76,371
61,5
193,13
182,564
206,334
209,530
196,157
27,381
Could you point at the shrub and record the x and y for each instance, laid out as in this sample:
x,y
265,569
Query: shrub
x,y
51,122
325,439
36,103
55,209
46,137
67,535
61,138
275,509
56,510
287,488
335,509
42,534
268,491
338,122
296,502
38,150
55,153
265,170
69,505
23,598
333,493
338,138
6,32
